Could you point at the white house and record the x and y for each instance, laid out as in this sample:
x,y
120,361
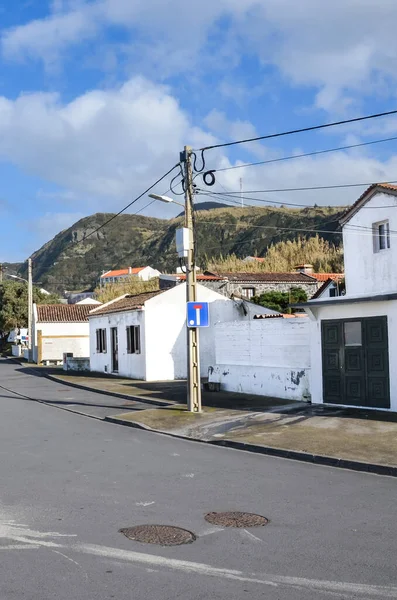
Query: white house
x,y
144,336
59,328
120,275
353,341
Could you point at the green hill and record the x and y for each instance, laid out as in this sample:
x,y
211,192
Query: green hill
x,y
71,262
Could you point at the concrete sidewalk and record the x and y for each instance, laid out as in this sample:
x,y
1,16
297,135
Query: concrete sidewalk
x,y
282,427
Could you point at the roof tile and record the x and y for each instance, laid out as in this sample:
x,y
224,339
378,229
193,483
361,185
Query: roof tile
x,y
64,313
125,303
266,277
361,200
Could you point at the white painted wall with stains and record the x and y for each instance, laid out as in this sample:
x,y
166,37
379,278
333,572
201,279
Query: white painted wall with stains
x,y
264,357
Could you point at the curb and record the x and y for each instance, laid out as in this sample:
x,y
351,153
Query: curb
x,y
317,459
328,461
79,386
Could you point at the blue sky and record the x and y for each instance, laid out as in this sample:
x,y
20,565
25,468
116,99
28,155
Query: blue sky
x,y
97,98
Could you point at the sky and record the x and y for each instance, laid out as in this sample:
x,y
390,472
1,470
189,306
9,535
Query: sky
x,y
98,97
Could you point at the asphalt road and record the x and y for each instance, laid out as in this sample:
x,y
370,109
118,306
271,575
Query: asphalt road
x,y
70,482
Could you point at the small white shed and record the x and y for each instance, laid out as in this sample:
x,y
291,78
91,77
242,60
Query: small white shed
x,y
144,336
59,328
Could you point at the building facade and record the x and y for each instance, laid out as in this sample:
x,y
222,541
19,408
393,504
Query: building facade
x,y
144,336
353,347
59,328
120,275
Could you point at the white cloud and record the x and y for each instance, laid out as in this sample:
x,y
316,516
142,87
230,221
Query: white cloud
x,y
104,144
346,48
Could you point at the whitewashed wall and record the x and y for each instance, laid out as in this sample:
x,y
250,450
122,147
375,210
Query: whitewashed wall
x,y
130,365
58,338
367,271
264,357
349,311
163,334
166,343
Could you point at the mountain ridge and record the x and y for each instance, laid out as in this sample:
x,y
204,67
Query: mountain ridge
x,y
76,256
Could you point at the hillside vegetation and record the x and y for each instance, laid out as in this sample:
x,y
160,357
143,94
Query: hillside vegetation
x,y
74,259
284,256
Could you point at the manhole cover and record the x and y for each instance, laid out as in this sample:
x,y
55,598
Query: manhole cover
x,y
163,535
235,519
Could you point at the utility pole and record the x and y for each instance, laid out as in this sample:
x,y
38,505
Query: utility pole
x,y
1,273
241,192
193,353
30,309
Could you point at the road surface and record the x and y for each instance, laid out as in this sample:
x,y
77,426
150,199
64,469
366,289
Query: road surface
x,y
70,482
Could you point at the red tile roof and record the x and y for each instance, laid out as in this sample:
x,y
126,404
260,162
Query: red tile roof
x,y
326,276
64,313
266,277
121,272
373,189
125,303
199,277
280,316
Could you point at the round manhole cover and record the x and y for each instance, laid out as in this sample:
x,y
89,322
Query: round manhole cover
x,y
163,535
236,519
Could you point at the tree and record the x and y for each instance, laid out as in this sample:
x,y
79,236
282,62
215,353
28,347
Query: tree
x,y
280,301
14,304
132,285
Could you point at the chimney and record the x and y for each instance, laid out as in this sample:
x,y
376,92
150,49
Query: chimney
x,y
129,270
306,269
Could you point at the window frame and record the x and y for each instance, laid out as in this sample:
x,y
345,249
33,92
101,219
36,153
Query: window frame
x,y
381,235
101,341
248,289
133,333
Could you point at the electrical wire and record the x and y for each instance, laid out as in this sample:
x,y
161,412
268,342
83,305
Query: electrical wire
x,y
314,153
126,207
303,130
309,188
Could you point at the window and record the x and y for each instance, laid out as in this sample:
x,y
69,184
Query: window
x,y
381,232
101,346
249,292
134,339
353,333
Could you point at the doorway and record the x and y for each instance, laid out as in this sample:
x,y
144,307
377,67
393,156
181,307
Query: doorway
x,y
115,349
356,362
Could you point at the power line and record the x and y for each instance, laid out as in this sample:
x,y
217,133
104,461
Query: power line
x,y
314,153
309,188
128,206
228,195
303,130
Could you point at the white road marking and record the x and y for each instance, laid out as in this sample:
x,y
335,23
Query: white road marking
x,y
32,540
20,547
189,475
144,503
211,531
252,536
332,587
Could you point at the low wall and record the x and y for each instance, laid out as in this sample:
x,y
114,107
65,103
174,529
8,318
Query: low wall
x,y
74,363
263,357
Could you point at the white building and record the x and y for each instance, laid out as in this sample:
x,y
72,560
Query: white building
x,y
353,341
144,336
59,328
120,275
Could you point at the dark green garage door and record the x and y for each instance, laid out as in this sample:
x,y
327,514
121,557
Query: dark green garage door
x,y
356,362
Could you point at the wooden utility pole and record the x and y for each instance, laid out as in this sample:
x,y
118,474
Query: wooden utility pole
x,y
193,352
30,309
1,273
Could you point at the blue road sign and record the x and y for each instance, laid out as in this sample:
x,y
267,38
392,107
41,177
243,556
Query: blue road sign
x,y
198,314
